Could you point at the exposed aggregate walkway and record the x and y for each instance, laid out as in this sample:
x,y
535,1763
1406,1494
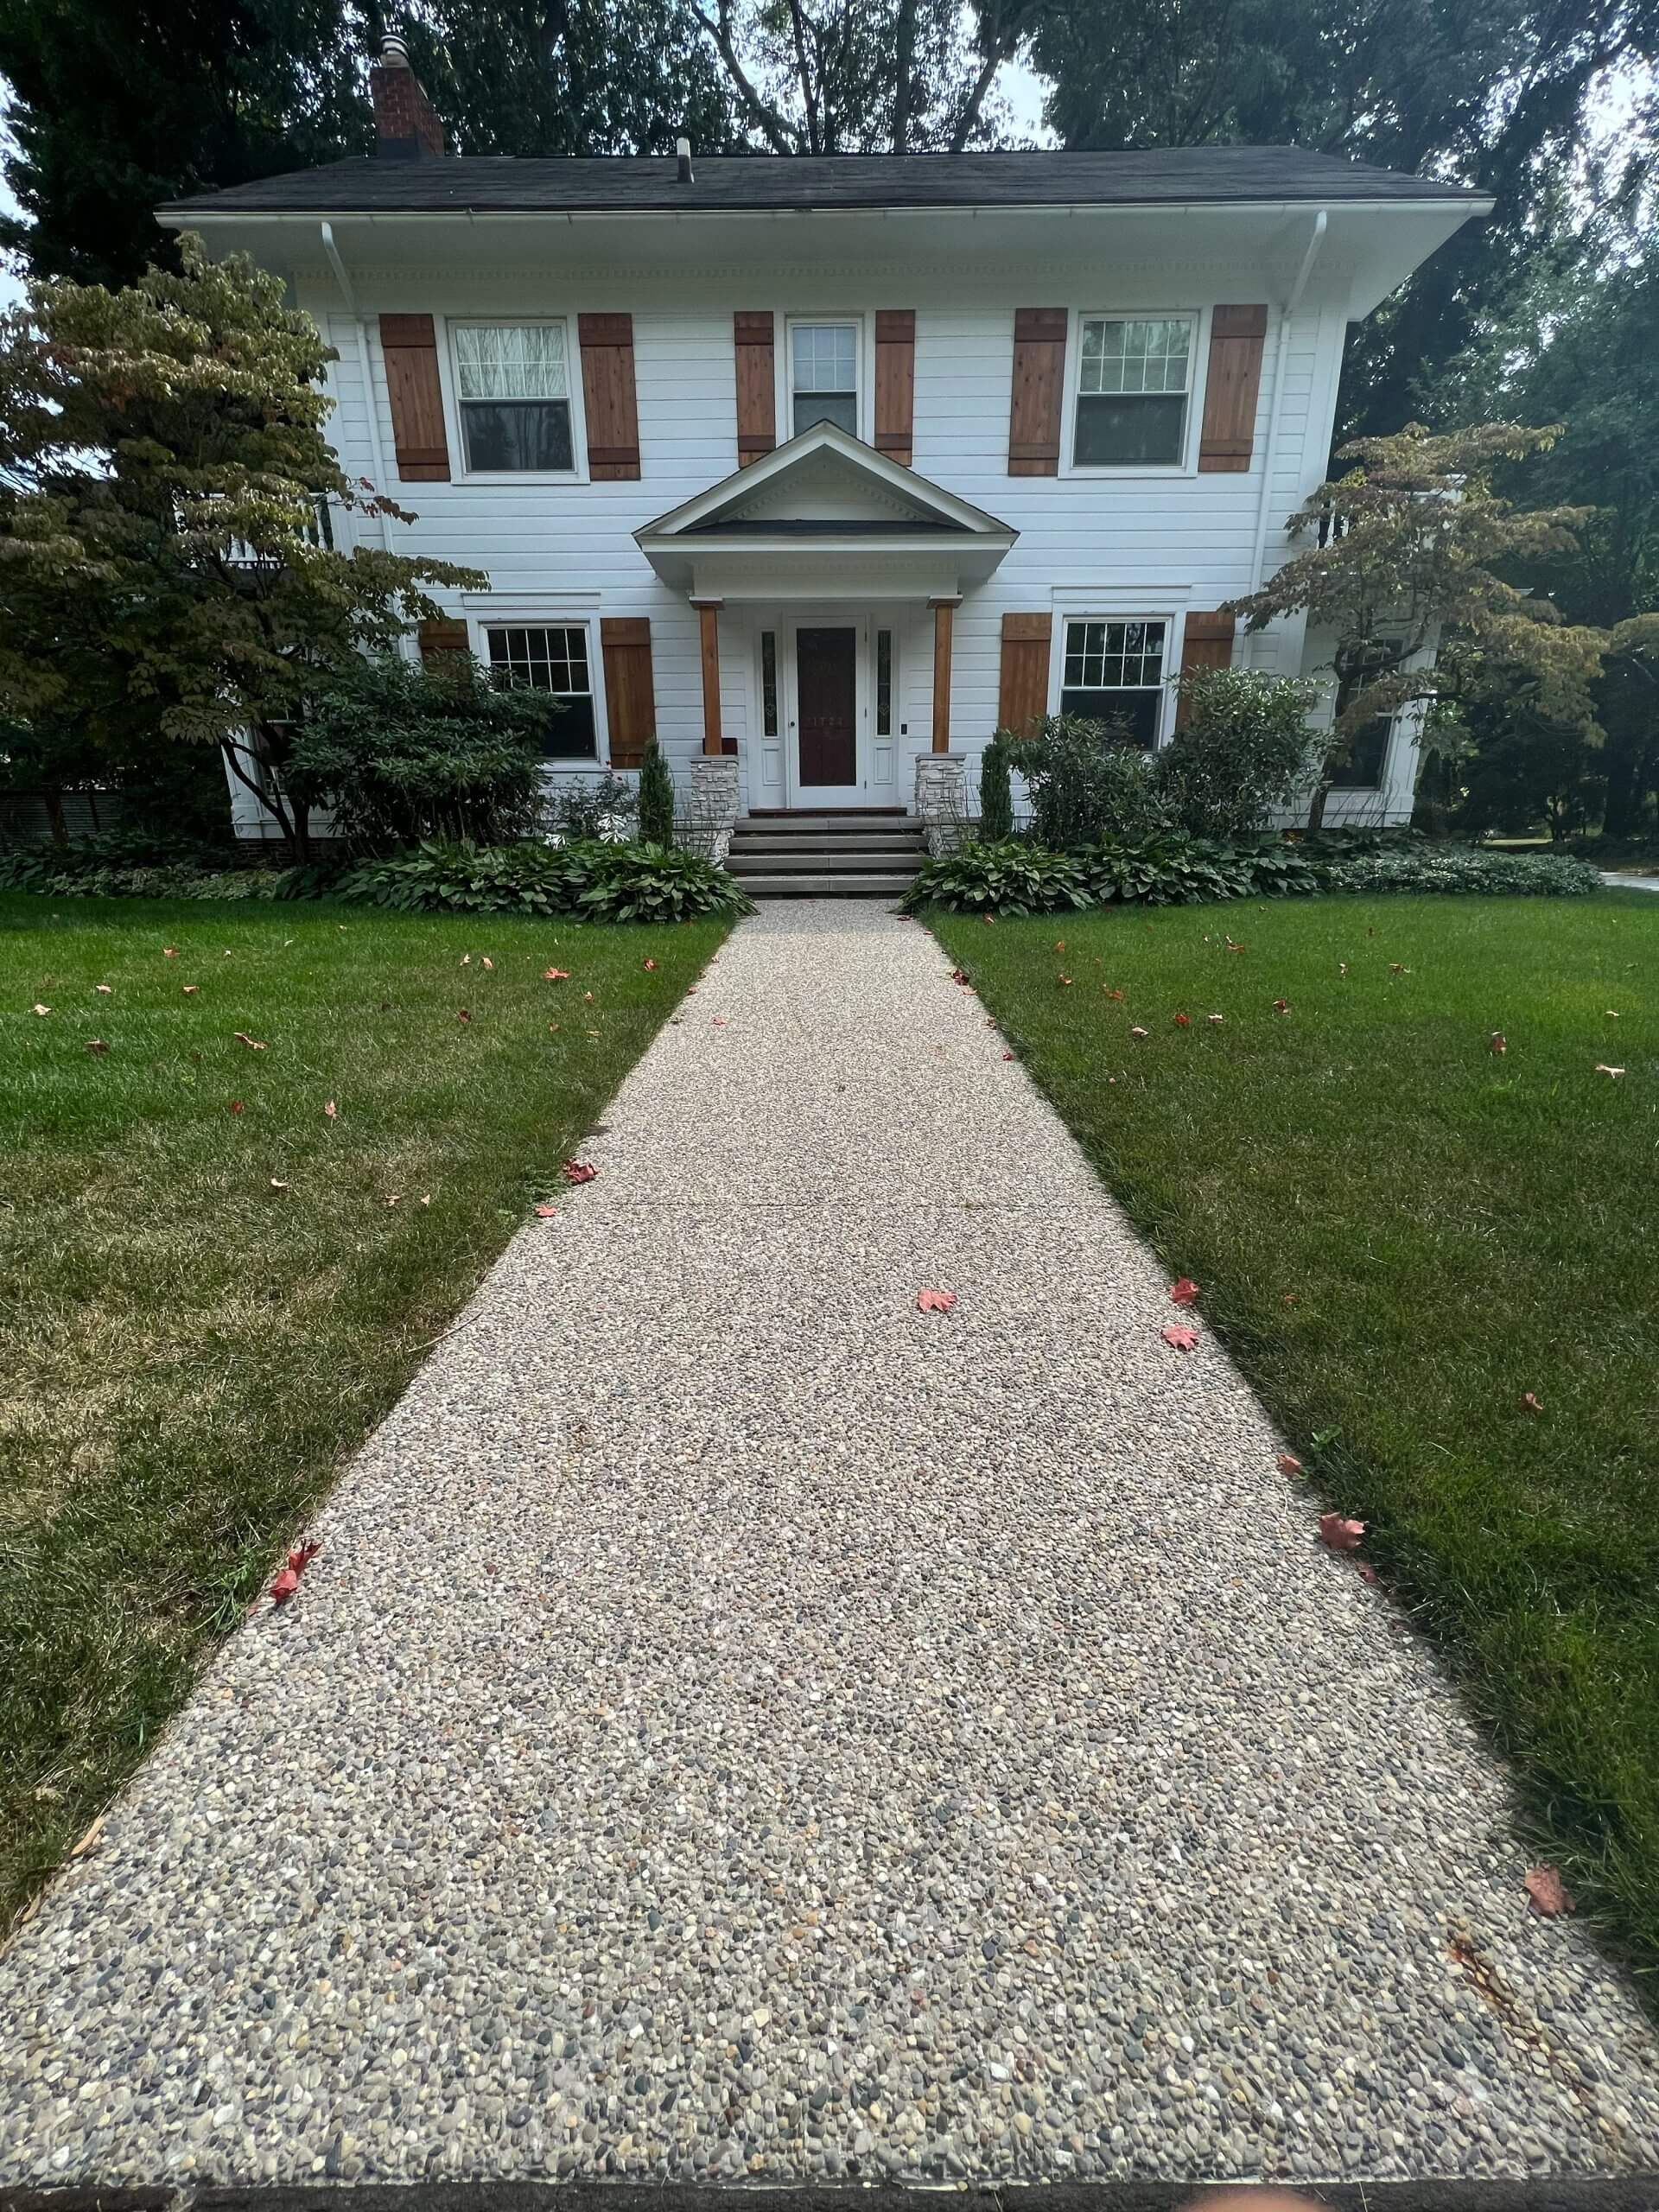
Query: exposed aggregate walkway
x,y
739,1725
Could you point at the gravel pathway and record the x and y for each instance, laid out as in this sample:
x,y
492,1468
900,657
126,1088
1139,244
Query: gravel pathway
x,y
740,1724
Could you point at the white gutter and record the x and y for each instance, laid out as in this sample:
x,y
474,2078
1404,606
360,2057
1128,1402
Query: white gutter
x,y
182,218
1292,301
366,364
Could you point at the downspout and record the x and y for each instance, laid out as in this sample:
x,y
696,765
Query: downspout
x,y
366,365
1292,301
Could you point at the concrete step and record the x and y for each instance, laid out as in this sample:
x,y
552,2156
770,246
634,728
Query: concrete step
x,y
789,852
825,825
839,860
805,885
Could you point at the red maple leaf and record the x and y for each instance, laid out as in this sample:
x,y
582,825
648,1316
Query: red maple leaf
x,y
555,975
295,1565
1530,1401
578,1171
1183,1021
1288,1463
1499,1042
1281,1006
1341,1536
545,1213
1180,1337
935,1301
648,965
1183,1291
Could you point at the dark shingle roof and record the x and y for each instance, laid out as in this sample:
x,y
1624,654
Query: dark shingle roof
x,y
500,183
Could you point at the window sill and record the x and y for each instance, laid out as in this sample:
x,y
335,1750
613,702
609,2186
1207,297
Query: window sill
x,y
1128,471
496,477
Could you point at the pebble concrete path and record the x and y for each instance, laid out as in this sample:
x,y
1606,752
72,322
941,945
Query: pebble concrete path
x,y
739,1725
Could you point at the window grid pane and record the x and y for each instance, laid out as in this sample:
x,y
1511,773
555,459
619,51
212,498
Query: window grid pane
x,y
1114,656
511,361
541,660
1138,355
884,684
824,356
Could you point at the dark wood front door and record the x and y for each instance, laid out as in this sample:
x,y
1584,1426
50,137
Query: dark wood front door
x,y
826,682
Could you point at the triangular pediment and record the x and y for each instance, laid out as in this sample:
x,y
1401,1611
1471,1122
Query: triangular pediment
x,y
825,481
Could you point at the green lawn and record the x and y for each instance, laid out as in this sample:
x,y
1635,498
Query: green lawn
x,y
206,1299
1398,1234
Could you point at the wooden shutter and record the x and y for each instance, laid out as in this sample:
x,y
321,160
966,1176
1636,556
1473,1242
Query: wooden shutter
x,y
607,390
440,638
1022,693
408,344
1206,642
1236,340
1038,391
630,694
895,381
757,393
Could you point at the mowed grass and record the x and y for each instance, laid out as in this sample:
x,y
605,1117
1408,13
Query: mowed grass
x,y
1398,1234
186,1351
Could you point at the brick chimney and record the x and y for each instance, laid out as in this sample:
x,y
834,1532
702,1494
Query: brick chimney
x,y
406,124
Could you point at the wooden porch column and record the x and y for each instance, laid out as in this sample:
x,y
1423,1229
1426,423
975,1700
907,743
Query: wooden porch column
x,y
708,625
944,616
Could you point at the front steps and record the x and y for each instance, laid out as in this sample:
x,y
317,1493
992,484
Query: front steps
x,y
864,855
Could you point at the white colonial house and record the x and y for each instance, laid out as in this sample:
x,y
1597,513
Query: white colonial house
x,y
822,470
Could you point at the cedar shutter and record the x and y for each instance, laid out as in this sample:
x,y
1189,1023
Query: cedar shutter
x,y
440,638
630,694
607,389
408,345
1230,390
1038,391
1022,693
757,393
895,381
1206,642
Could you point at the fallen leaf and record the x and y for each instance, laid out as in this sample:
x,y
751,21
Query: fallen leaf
x,y
1064,978
1547,1892
105,988
1530,1401
1183,1291
555,975
1366,1571
988,918
1138,1032
276,1185
1059,944
1116,996
1398,967
393,1198
1341,1536
293,1568
170,952
466,959
1342,967
461,1015
1500,1043
1233,944
190,989
237,1107
1215,1017
1611,1011
578,1171
719,1021
487,961
1601,1066
243,1037
332,1110
426,1199
1180,1337
588,998
935,1301
1007,1056
1281,1006
545,1213
958,975
1183,1021
648,965
1293,1298
1288,1463
96,1045
41,1009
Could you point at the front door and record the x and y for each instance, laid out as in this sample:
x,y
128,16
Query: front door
x,y
826,691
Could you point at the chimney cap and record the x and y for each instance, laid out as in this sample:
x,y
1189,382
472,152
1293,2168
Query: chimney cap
x,y
394,51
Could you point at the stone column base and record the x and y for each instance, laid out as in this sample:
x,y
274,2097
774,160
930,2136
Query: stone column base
x,y
714,804
942,800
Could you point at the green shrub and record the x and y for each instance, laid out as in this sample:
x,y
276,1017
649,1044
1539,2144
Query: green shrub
x,y
1431,867
1243,748
1009,877
38,870
598,881
1086,780
398,753
1176,870
582,807
995,793
656,798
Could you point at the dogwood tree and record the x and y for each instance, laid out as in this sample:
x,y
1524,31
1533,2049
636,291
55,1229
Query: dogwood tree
x,y
166,567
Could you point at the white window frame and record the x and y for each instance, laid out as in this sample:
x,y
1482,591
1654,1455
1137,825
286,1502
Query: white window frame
x,y
1168,607
863,324
506,613
449,378
1129,472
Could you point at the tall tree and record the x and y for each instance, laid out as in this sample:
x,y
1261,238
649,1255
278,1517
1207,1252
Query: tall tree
x,y
1498,94
119,105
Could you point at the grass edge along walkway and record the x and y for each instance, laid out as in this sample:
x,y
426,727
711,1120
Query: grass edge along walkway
x,y
1403,1224
212,1287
